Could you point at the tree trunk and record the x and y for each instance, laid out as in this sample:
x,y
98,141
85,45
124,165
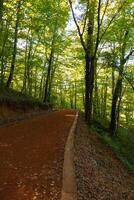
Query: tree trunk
x,y
118,88
87,86
50,63
114,109
96,112
75,94
105,102
53,69
71,95
1,10
113,80
89,82
10,78
28,70
118,109
35,83
46,95
90,57
41,86
2,54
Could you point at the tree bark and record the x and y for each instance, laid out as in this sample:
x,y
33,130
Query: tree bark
x,y
118,88
75,94
10,78
46,95
114,113
50,63
1,10
5,37
28,70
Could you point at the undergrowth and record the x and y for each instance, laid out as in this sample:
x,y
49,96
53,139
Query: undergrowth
x,y
122,143
12,97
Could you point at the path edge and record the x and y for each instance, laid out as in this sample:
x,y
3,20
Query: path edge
x,y
69,188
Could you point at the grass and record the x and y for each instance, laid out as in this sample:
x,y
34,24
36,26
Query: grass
x,y
122,143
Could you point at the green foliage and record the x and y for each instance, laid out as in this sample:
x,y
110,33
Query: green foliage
x,y
42,20
122,143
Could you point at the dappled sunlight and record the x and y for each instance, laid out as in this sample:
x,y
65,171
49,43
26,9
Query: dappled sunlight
x,y
58,59
70,115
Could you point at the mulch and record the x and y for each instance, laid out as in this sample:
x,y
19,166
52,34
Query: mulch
x,y
100,175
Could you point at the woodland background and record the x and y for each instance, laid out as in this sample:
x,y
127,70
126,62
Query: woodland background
x,y
44,50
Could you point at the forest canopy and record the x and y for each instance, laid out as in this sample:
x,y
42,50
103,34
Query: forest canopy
x,y
71,54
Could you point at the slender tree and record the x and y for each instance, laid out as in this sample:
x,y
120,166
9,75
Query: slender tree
x,y
1,10
10,78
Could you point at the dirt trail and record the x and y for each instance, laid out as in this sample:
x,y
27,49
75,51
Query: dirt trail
x,y
31,157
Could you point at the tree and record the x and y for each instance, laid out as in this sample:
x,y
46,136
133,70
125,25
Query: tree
x,y
1,10
94,36
117,94
10,78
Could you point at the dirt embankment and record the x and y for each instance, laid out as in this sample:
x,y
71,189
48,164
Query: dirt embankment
x,y
15,106
11,112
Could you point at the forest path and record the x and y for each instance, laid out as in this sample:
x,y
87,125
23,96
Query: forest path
x,y
31,157
99,173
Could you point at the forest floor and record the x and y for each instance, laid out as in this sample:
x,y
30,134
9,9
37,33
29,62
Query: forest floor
x,y
31,156
100,174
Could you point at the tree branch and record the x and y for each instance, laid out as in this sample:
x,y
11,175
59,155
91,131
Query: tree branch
x,y
78,28
111,21
107,3
85,18
128,81
98,28
127,57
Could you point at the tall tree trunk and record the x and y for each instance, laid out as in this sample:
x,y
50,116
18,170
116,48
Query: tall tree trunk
x,y
28,70
53,69
118,88
90,55
91,87
1,10
10,78
75,95
50,63
46,95
5,37
35,82
24,87
118,109
87,86
71,89
113,80
114,113
41,86
90,59
105,101
96,105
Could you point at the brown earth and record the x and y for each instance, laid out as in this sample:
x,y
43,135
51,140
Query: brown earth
x,y
100,175
9,113
31,157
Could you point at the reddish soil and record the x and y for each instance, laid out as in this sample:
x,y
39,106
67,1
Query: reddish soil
x,y
31,157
